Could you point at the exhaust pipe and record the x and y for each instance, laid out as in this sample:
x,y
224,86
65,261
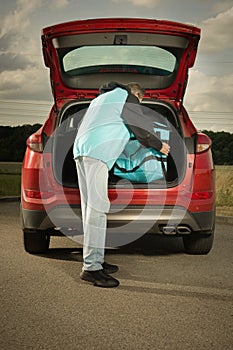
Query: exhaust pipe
x,y
183,230
173,230
169,230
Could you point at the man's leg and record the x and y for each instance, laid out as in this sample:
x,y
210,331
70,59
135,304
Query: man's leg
x,y
82,186
93,184
94,240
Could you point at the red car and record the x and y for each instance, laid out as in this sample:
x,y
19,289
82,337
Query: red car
x,y
83,55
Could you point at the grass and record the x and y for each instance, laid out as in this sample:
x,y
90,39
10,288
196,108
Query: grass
x,y
224,181
10,184
10,178
224,186
10,168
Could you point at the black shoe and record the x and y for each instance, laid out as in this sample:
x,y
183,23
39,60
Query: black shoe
x,y
109,268
99,279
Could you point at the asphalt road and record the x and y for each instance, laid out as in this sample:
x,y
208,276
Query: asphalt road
x,y
166,299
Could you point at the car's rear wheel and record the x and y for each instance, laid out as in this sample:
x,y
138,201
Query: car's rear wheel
x,y
198,244
36,242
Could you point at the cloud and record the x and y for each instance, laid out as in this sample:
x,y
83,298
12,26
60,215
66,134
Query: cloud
x,y
22,71
18,20
59,4
21,54
32,83
217,32
143,3
208,100
209,93
222,6
12,62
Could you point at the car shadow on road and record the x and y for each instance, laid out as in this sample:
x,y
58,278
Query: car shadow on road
x,y
151,245
66,254
147,245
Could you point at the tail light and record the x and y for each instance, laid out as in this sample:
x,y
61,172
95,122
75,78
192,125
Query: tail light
x,y
203,143
35,143
202,195
37,194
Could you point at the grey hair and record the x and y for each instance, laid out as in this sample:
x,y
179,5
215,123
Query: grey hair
x,y
136,88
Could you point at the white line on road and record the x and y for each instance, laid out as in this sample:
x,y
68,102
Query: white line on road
x,y
219,293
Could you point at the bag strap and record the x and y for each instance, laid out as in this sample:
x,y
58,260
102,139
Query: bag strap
x,y
151,157
137,150
163,168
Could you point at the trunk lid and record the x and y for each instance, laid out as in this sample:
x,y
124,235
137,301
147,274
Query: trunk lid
x,y
82,55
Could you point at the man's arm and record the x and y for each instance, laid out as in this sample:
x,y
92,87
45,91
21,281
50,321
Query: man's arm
x,y
140,125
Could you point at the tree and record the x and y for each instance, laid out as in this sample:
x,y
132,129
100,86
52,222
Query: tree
x,y
222,147
13,141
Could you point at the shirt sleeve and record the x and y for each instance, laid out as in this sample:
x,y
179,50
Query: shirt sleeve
x,y
140,124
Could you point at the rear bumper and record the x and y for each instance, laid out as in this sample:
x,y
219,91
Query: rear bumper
x,y
152,219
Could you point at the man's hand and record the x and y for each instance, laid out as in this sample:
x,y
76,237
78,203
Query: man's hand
x,y
165,148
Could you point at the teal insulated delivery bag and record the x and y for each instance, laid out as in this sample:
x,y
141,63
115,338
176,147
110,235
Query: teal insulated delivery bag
x,y
142,164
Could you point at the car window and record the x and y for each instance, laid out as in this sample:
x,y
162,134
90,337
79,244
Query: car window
x,y
151,60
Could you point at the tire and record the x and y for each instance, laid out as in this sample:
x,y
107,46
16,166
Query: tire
x,y
198,244
36,242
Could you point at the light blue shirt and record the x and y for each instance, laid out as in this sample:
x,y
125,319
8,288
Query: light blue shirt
x,y
103,133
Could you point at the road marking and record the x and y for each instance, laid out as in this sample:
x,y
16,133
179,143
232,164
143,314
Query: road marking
x,y
210,292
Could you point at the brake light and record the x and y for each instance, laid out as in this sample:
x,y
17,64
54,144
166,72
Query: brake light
x,y
202,195
36,194
203,143
35,143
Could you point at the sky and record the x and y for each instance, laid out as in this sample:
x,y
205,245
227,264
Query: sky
x,y
25,94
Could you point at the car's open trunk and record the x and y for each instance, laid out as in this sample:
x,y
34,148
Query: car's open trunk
x,y
64,168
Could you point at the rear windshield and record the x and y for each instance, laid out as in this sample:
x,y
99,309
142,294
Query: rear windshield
x,y
150,60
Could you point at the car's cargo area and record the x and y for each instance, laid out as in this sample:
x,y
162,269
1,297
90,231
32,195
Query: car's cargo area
x,y
64,168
